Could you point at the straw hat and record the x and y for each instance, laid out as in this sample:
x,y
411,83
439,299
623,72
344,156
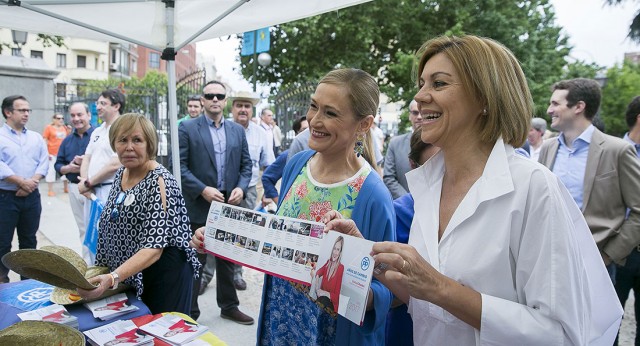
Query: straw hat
x,y
56,265
65,296
245,96
27,333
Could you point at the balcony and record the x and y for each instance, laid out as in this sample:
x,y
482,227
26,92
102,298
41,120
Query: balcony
x,y
85,45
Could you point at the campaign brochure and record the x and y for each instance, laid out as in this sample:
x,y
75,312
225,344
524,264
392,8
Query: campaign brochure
x,y
174,330
111,307
296,250
122,333
52,313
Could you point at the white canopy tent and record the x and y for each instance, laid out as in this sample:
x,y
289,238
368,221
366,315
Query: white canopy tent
x,y
162,25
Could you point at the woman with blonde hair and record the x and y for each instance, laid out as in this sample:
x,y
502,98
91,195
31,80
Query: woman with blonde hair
x,y
332,175
498,253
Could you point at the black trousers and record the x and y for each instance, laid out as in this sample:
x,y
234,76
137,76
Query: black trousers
x,y
226,294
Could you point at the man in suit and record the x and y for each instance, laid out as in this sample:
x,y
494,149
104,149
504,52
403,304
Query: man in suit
x,y
396,162
600,171
215,166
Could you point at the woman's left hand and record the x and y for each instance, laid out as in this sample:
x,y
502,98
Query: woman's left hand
x,y
404,265
104,283
333,221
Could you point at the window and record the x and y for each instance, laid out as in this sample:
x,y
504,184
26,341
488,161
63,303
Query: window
x,y
134,66
154,60
113,56
82,61
36,54
16,51
61,89
61,60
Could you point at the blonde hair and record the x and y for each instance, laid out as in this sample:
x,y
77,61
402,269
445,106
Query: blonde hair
x,y
125,123
364,95
491,74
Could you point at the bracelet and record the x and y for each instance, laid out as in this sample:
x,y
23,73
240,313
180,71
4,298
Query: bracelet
x,y
113,280
116,280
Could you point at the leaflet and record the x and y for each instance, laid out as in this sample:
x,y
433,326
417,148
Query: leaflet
x,y
333,269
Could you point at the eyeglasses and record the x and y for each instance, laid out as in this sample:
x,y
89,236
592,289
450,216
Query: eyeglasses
x,y
23,110
58,118
210,97
115,213
416,113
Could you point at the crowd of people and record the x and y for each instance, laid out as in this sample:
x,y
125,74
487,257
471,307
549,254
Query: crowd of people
x,y
488,228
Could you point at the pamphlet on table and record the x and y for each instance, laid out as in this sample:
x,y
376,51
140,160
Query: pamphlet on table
x,y
174,330
122,333
52,313
111,307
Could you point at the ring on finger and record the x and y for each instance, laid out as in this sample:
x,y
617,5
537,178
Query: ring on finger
x,y
404,263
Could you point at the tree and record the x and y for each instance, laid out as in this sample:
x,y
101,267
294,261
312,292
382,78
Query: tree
x,y
622,85
382,37
634,28
47,41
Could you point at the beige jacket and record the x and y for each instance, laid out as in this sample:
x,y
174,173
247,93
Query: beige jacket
x,y
611,186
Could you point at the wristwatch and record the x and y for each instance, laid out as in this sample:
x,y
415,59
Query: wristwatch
x,y
116,280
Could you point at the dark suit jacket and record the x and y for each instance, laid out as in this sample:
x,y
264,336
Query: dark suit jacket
x,y
396,165
198,163
611,185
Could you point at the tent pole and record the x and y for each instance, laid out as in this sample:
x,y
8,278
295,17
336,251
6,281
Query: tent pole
x,y
169,54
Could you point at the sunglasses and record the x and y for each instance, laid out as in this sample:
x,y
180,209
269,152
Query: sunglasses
x,y
210,97
115,213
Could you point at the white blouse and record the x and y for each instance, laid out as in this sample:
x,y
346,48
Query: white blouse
x,y
519,239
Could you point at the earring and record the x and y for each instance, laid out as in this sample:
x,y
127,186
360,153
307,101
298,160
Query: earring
x,y
359,148
484,111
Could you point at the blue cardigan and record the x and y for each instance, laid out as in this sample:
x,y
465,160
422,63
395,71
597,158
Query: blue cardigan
x,y
374,215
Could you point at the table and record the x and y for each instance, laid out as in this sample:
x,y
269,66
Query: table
x,y
27,295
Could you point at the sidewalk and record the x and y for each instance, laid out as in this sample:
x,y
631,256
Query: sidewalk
x,y
58,227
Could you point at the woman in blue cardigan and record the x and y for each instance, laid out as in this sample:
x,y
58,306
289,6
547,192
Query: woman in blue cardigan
x,y
333,175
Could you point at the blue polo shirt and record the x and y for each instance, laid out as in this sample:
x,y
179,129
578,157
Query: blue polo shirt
x,y
72,145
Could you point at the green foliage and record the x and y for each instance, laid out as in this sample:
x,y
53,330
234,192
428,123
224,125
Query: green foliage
x,y
634,27
622,85
141,93
382,37
581,69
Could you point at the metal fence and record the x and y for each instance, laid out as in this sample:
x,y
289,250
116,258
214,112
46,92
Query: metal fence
x,y
290,103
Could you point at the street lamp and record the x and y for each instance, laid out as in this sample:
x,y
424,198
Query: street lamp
x,y
264,59
19,39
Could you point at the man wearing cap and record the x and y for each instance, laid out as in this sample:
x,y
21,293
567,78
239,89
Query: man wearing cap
x,y
260,150
215,166
100,162
24,161
69,161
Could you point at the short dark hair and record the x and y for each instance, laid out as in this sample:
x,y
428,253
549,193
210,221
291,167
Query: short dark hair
x,y
194,98
632,112
214,82
581,89
7,103
116,97
297,124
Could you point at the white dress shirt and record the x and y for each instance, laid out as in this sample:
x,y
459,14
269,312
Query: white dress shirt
x,y
517,238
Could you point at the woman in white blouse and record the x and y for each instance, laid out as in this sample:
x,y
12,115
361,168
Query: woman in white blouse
x,y
499,253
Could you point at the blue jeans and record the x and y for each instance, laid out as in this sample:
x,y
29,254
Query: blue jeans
x,y
627,278
23,214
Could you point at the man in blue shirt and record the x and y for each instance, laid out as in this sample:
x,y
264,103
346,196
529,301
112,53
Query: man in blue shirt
x,y
69,161
24,160
600,171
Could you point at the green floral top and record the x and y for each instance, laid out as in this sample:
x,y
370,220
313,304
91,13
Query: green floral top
x,y
308,199
290,316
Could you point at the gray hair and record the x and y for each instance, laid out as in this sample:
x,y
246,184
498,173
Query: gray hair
x,y
539,124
